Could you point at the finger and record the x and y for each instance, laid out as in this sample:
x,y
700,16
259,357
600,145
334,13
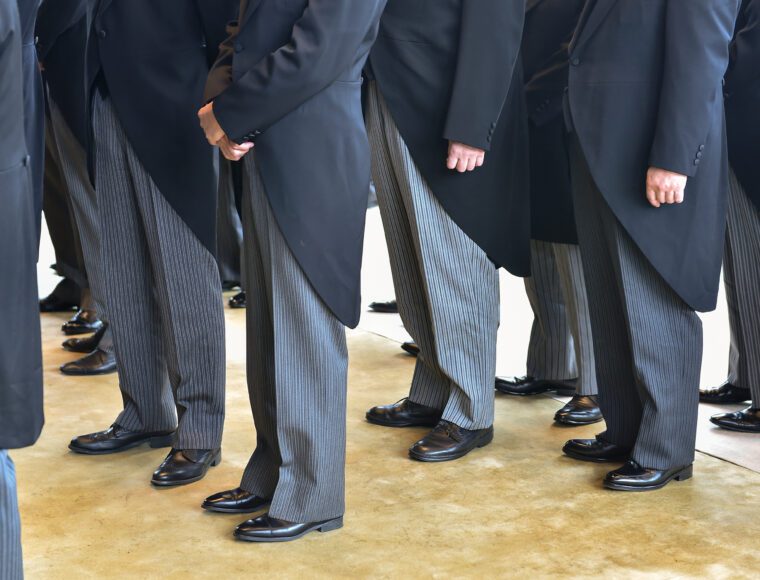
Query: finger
x,y
471,163
679,197
461,165
451,162
661,195
652,197
481,160
670,197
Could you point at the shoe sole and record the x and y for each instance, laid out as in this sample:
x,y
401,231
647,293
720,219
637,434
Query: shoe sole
x,y
77,350
410,351
154,442
330,526
214,462
440,459
573,423
88,373
559,392
682,475
217,510
736,429
79,331
579,457
374,421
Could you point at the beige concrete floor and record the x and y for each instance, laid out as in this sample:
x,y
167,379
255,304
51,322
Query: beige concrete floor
x,y
514,509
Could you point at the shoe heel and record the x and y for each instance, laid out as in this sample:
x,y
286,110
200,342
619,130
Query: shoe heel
x,y
335,524
486,440
685,474
161,441
217,460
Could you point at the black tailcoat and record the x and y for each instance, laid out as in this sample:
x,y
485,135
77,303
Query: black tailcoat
x,y
154,56
34,102
21,413
549,27
61,46
289,78
448,70
645,89
743,100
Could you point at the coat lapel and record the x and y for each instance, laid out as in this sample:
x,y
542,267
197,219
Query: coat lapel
x,y
589,21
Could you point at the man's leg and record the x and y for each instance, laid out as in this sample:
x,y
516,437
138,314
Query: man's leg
x,y
306,402
551,354
11,565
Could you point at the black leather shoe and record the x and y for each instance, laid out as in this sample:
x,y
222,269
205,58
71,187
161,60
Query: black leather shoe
x,y
411,348
64,298
183,466
596,450
526,386
85,345
83,322
405,413
633,477
448,441
234,501
268,529
725,394
238,300
390,307
746,421
581,410
98,362
116,438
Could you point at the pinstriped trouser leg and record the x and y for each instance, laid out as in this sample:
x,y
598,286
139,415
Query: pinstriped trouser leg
x,y
648,342
551,353
447,288
153,268
570,268
742,278
11,564
73,160
297,375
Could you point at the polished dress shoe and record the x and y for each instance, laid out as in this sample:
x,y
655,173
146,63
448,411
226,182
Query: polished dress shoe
x,y
234,501
746,421
405,413
183,466
238,300
116,438
448,441
85,345
633,477
268,529
580,410
411,348
64,298
526,386
596,450
724,395
390,307
98,362
83,322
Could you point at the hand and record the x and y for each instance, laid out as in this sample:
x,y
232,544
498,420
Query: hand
x,y
665,186
210,125
463,157
232,150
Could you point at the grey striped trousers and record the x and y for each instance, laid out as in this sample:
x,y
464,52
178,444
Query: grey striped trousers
x,y
446,287
741,274
164,299
647,341
11,565
561,346
84,204
297,366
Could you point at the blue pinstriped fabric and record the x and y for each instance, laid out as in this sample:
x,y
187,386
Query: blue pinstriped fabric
x,y
11,566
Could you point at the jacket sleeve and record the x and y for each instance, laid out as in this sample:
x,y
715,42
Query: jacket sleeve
x,y
745,49
489,45
215,15
53,19
697,38
323,45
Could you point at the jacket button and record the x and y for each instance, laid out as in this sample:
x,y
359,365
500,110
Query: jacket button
x,y
103,34
576,61
239,47
26,160
696,162
701,147
699,155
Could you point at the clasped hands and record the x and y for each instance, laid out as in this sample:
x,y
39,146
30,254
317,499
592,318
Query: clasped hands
x,y
218,138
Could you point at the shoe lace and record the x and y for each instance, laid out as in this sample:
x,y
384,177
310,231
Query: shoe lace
x,y
449,429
